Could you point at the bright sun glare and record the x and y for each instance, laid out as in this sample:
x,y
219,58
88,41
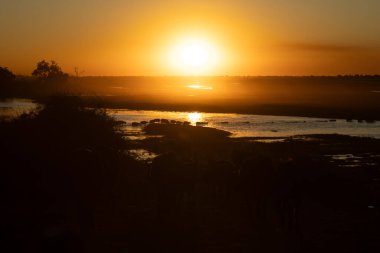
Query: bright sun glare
x,y
194,56
194,117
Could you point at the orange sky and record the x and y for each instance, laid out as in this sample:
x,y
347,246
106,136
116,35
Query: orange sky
x,y
136,37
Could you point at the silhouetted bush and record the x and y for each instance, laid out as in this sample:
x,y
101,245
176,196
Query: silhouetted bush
x,y
49,71
6,79
61,166
6,75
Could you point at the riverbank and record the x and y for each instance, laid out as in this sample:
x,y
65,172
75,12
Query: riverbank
x,y
240,125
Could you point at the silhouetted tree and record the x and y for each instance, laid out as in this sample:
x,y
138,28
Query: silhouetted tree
x,y
6,75
52,71
6,78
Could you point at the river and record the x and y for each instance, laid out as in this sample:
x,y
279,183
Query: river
x,y
240,125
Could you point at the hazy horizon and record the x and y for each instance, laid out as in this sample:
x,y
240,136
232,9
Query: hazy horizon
x,y
72,75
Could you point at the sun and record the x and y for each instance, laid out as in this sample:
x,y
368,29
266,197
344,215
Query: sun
x,y
194,56
194,117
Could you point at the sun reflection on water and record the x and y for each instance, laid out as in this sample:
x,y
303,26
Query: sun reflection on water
x,y
194,117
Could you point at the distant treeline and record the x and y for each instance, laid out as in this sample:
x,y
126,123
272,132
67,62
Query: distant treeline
x,y
172,87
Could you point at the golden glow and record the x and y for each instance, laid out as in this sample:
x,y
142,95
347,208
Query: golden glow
x,y
194,56
166,38
194,117
199,87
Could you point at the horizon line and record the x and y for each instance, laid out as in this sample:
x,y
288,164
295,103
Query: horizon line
x,y
207,76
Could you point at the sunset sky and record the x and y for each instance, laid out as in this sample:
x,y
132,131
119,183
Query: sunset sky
x,y
149,37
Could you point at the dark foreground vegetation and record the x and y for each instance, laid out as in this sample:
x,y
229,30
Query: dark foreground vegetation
x,y
68,185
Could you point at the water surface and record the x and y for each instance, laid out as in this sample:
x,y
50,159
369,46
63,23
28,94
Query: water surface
x,y
11,108
247,125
